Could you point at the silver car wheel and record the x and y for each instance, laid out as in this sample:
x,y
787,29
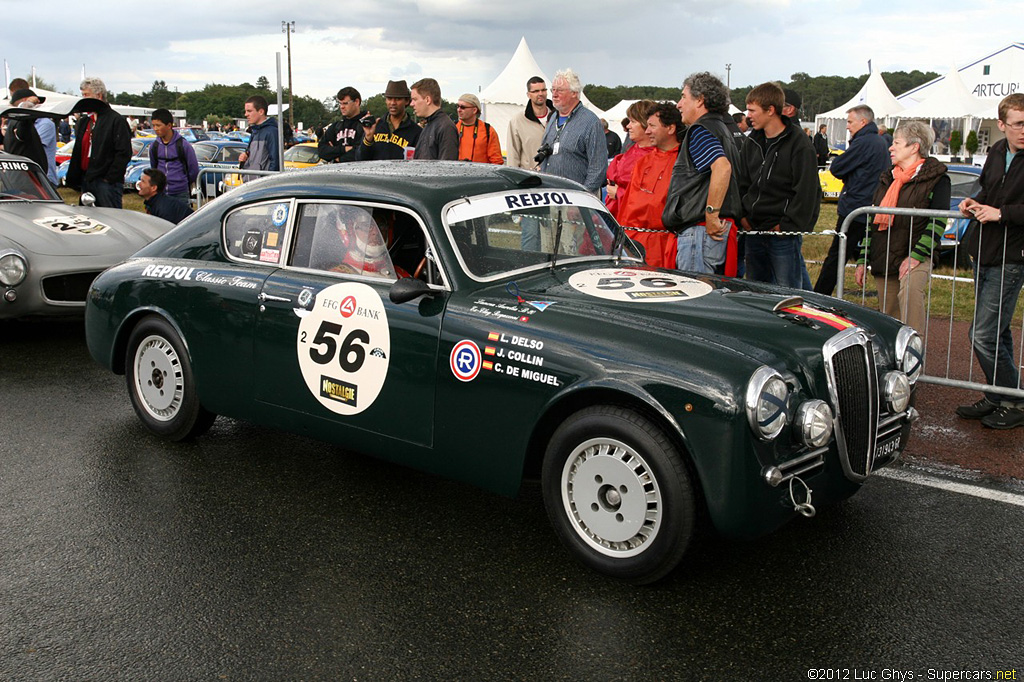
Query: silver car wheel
x,y
159,382
611,497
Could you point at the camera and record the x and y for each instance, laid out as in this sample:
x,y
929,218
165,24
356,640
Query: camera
x,y
543,152
368,120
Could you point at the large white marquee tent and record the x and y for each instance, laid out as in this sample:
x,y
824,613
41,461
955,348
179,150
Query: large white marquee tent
x,y
506,96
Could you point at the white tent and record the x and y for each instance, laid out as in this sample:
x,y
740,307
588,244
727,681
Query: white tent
x,y
506,96
875,93
950,105
56,101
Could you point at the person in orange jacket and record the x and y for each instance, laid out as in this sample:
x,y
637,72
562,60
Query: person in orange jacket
x,y
478,140
648,188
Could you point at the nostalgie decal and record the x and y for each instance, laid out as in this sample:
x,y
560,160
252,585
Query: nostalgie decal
x,y
72,224
638,286
344,347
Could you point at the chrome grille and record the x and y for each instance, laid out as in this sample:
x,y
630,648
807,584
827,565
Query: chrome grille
x,y
853,385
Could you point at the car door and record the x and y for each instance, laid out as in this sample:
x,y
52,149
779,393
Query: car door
x,y
330,343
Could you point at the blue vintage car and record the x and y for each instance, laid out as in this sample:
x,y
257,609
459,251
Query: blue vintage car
x,y
139,161
217,154
238,136
965,182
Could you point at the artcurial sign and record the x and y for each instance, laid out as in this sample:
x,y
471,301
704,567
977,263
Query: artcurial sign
x,y
995,89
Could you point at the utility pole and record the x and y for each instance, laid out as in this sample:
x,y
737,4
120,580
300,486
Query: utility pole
x,y
289,28
728,73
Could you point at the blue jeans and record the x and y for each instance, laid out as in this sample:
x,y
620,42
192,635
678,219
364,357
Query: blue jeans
x,y
108,194
775,259
996,292
697,252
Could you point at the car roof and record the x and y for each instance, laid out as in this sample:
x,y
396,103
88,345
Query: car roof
x,y
427,181
964,168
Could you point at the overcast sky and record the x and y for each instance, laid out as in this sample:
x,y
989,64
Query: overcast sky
x,y
465,44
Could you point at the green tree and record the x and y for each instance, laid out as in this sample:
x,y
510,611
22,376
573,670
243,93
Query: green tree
x,y
41,83
262,83
972,143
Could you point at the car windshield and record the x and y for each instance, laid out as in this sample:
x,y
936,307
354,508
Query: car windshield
x,y
302,154
964,184
140,146
20,181
205,153
501,233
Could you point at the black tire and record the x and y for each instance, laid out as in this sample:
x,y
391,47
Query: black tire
x,y
618,494
160,382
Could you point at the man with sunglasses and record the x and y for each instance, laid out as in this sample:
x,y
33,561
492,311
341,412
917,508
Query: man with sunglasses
x,y
996,243
526,130
478,141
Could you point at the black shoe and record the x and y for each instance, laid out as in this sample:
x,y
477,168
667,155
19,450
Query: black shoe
x,y
1004,418
982,408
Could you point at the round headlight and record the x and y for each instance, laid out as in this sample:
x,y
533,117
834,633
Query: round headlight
x,y
767,403
910,353
814,423
12,269
896,389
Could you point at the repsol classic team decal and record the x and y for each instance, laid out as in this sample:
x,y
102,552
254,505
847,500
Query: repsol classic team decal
x,y
638,286
344,347
72,224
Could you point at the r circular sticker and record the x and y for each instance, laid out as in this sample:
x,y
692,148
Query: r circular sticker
x,y
280,215
344,347
465,360
638,286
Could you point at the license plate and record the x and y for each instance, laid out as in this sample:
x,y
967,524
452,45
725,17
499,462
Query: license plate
x,y
888,447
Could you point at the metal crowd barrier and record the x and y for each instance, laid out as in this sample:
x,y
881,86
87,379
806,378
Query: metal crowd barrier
x,y
211,189
948,377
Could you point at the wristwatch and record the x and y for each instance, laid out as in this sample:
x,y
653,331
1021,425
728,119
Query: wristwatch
x,y
709,209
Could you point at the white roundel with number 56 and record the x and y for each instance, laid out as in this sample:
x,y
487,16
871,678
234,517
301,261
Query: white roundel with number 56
x,y
344,347
638,286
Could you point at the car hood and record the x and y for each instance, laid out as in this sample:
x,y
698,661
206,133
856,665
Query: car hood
x,y
759,321
36,228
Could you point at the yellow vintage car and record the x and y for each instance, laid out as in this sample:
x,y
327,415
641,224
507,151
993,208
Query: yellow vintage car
x,y
831,186
302,155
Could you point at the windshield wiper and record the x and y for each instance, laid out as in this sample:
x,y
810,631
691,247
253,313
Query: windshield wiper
x,y
558,240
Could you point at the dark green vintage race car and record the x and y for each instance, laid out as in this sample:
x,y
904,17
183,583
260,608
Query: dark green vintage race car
x,y
490,324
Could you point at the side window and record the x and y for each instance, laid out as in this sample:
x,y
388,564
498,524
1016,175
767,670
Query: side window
x,y
352,240
256,233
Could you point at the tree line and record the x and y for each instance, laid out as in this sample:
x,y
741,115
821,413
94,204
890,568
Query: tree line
x,y
819,93
223,103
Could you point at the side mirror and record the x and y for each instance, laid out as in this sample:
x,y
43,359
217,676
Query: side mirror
x,y
87,199
408,288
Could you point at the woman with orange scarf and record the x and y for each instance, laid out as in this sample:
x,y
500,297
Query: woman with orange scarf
x,y
900,248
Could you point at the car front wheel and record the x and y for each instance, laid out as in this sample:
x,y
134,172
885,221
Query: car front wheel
x,y
618,494
160,382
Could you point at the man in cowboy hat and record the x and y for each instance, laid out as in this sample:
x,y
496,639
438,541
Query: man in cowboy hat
x,y
394,136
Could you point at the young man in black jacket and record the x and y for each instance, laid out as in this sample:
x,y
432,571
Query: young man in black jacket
x,y
778,182
340,142
996,243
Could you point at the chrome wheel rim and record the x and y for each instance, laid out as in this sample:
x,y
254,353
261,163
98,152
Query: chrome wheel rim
x,y
159,383
611,497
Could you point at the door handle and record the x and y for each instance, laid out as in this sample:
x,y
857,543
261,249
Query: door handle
x,y
268,297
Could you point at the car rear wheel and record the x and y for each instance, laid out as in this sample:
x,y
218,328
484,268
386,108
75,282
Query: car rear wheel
x,y
160,382
618,494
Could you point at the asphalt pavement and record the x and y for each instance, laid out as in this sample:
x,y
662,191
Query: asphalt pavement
x,y
252,554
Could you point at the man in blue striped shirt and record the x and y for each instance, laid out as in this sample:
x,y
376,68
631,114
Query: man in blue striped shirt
x,y
704,199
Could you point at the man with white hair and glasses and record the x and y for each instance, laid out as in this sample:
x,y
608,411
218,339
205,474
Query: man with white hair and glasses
x,y
574,145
